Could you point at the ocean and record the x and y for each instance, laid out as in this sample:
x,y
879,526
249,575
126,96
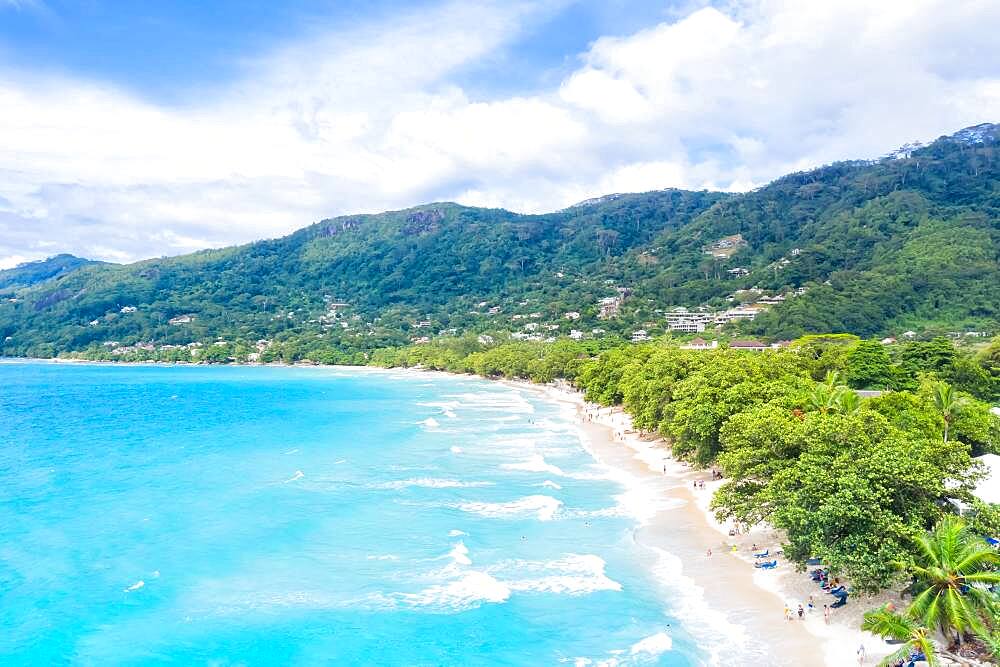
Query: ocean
x,y
307,516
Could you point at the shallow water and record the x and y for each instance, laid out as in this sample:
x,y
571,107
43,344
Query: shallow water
x,y
266,516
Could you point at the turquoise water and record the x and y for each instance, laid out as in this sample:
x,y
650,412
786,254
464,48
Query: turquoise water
x,y
262,516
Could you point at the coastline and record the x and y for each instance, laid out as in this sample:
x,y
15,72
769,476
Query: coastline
x,y
680,527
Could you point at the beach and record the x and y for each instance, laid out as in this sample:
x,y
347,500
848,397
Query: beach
x,y
748,602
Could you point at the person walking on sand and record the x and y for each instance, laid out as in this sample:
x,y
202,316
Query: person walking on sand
x,y
802,613
826,614
861,654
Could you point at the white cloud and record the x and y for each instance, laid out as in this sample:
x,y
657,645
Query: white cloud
x,y
369,118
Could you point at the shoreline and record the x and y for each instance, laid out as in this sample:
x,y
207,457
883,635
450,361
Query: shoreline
x,y
734,593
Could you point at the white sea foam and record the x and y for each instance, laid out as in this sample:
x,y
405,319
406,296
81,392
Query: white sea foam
x,y
292,451
136,586
456,533
429,483
337,463
455,449
297,476
383,557
653,645
536,463
545,507
573,574
466,590
713,630
430,422
549,484
447,408
510,402
459,587
459,554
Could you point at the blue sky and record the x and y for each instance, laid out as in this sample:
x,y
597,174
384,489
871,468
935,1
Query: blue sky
x,y
132,130
169,50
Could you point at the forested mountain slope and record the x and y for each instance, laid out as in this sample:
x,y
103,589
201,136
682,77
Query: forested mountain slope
x,y
908,241
436,260
30,273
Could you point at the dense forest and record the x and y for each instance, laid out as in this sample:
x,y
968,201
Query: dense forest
x,y
864,247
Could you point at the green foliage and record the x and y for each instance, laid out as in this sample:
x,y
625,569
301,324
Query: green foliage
x,y
852,481
869,367
909,633
954,570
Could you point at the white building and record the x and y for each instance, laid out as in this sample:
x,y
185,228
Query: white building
x,y
701,344
684,321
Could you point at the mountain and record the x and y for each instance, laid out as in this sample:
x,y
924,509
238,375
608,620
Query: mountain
x,y
30,273
910,241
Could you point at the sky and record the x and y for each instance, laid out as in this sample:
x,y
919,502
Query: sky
x,y
134,130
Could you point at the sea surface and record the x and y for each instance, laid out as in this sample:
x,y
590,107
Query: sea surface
x,y
300,516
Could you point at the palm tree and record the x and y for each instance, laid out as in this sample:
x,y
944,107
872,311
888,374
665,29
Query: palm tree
x,y
955,569
847,400
833,379
948,404
914,636
822,399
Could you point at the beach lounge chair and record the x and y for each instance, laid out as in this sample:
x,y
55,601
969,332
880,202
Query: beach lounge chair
x,y
814,561
766,566
762,554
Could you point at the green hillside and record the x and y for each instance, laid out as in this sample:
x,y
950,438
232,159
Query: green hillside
x,y
30,273
874,247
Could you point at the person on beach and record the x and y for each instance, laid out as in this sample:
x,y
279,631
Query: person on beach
x,y
788,613
810,606
826,614
709,552
802,613
861,654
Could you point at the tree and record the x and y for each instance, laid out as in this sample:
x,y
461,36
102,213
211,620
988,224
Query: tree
x,y
954,569
869,367
914,636
847,401
949,405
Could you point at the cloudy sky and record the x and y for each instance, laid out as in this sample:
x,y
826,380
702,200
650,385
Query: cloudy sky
x,y
130,130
